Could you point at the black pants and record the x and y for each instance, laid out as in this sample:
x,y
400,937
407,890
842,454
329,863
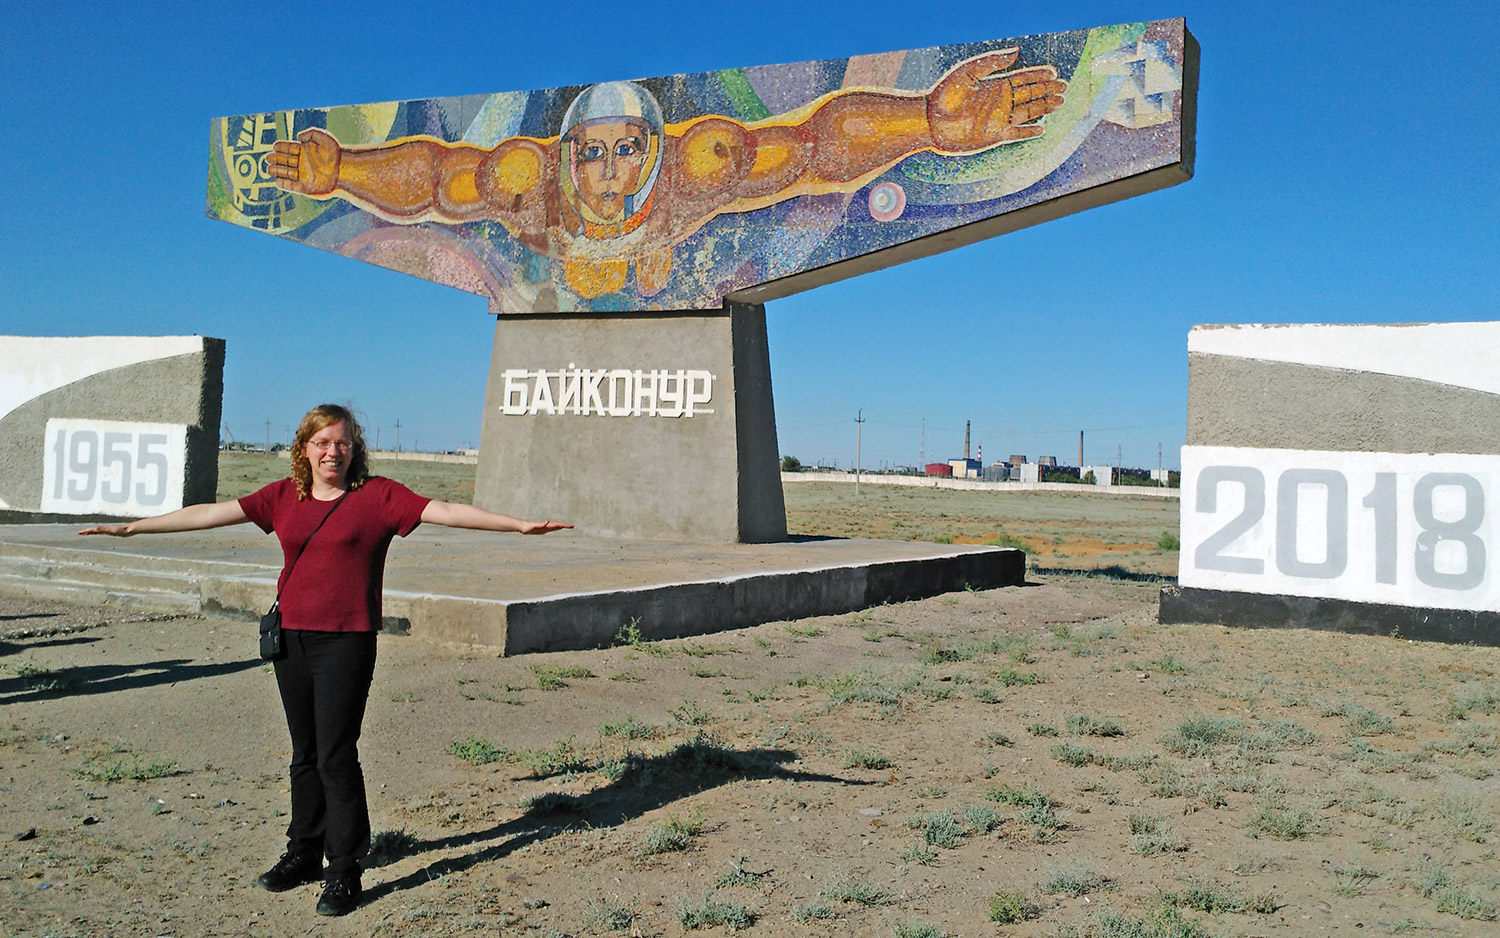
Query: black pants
x,y
324,679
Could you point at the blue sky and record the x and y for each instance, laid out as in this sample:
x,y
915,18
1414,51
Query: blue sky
x,y
1347,171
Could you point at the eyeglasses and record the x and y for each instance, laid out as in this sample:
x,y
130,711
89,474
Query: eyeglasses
x,y
324,446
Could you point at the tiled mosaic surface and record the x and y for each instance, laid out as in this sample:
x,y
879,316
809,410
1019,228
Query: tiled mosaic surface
x,y
670,193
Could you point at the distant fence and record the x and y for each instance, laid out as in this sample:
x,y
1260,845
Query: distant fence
x,y
975,485
458,458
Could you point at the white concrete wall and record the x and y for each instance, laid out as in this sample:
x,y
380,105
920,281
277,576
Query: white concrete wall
x,y
976,485
1347,463
453,458
1103,475
112,425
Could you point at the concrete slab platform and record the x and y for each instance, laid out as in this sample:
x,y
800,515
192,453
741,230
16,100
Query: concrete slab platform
x,y
513,594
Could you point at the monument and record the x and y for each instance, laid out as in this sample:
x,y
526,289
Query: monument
x,y
1338,477
108,425
627,234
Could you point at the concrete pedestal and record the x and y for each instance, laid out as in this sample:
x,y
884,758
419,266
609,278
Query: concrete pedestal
x,y
505,594
108,426
653,425
1338,477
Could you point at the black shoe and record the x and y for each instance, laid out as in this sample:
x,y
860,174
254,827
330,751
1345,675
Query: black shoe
x,y
293,869
340,896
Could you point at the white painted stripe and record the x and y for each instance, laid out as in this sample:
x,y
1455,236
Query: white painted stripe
x,y
1461,354
31,366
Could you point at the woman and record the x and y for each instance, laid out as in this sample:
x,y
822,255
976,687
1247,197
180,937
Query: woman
x,y
330,606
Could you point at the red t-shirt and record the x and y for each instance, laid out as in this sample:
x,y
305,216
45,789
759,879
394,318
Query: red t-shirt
x,y
336,584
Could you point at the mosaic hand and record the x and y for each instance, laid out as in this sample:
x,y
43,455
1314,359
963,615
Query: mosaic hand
x,y
309,164
977,106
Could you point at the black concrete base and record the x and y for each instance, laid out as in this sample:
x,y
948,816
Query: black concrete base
x,y
673,610
1262,610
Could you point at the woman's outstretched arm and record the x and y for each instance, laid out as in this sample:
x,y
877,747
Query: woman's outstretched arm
x,y
191,518
454,515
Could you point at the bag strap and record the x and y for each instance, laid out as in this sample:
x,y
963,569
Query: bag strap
x,y
303,548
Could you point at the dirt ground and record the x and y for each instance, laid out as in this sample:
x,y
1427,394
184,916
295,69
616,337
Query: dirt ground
x,y
1036,760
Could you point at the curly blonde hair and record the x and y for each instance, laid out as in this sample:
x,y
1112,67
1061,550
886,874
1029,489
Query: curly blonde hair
x,y
326,415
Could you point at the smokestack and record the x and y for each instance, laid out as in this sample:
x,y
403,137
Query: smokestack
x,y
966,439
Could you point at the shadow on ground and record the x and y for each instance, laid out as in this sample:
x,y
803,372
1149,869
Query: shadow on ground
x,y
36,683
643,784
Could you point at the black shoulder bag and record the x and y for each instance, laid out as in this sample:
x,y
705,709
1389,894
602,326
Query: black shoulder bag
x,y
271,646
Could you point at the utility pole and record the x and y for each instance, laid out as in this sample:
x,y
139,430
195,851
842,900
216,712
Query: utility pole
x,y
859,432
268,434
1159,479
922,450
398,437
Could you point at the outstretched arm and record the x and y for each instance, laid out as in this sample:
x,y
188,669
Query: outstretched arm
x,y
853,136
418,178
191,518
455,515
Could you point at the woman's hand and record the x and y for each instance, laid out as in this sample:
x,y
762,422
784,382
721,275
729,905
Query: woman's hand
x,y
113,530
542,527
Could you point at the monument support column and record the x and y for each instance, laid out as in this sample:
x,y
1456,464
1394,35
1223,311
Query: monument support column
x,y
649,424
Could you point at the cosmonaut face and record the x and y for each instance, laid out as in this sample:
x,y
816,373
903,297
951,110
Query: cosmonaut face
x,y
610,159
611,150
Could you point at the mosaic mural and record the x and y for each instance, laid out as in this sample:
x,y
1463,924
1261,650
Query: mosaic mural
x,y
671,193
